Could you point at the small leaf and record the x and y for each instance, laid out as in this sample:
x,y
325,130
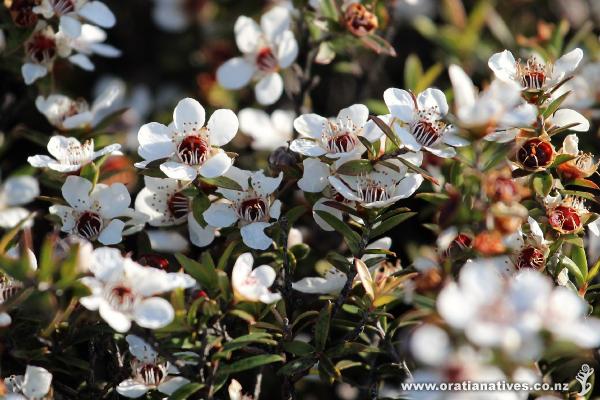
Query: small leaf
x,y
578,256
378,44
186,391
552,107
204,273
329,8
562,158
327,368
322,327
355,167
222,182
390,223
566,262
294,214
250,363
542,183
298,347
583,183
296,366
226,254
413,70
365,277
419,171
352,238
386,130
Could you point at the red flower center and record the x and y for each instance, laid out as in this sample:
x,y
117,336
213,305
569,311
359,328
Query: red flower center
x,y
565,219
253,210
535,153
193,150
121,298
151,374
89,225
342,143
426,132
531,257
266,60
62,7
373,192
179,205
41,48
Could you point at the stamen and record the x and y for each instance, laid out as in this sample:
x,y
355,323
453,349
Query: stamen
x,y
89,225
178,205
252,210
193,150
266,60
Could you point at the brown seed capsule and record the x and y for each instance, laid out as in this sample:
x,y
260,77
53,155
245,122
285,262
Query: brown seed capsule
x,y
360,21
535,154
564,219
531,257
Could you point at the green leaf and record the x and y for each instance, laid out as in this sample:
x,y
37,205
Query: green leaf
x,y
329,8
418,170
222,263
349,348
250,363
561,159
413,70
391,223
200,203
355,167
294,214
322,327
204,273
386,130
573,268
352,238
327,370
370,146
378,44
298,347
186,391
578,256
341,206
542,183
429,77
552,107
296,366
222,182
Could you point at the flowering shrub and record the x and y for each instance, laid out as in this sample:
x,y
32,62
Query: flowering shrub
x,y
347,240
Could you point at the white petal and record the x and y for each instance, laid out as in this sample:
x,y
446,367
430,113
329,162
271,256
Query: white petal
x,y
117,320
409,185
5,320
234,390
155,141
310,125
33,72
275,210
319,206
189,116
430,345
132,389
222,127
70,26
200,236
464,91
444,152
275,22
112,201
170,385
400,103
503,65
78,120
247,34
343,189
287,50
154,313
318,285
357,113
407,139
433,99
220,215
314,177
82,61
66,215
269,89
76,191
39,161
235,73
307,147
176,170
264,274
11,217
372,132
98,13
167,241
37,382
216,166
254,235
110,149
567,63
113,92
105,50
113,233
455,140
565,117
264,185
140,349
19,190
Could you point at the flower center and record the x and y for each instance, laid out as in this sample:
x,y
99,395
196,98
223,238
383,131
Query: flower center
x,y
341,143
154,261
266,60
564,218
253,210
77,154
359,20
41,48
8,287
460,243
372,191
121,298
427,132
193,150
89,225
179,205
62,7
22,13
531,257
532,75
535,153
152,375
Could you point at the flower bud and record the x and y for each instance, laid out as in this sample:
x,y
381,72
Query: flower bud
x,y
360,21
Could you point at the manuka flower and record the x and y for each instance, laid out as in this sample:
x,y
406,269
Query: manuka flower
x,y
123,291
72,12
15,192
581,166
89,42
94,214
252,284
534,75
267,132
70,155
149,372
421,121
379,188
266,49
166,204
334,138
189,147
41,49
254,206
34,385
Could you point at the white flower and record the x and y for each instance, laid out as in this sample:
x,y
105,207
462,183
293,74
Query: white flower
x,y
253,284
165,203
499,107
565,116
122,291
149,372
72,12
65,113
584,87
15,192
421,120
335,138
187,144
34,385
172,15
89,42
253,206
267,132
41,49
535,75
266,49
334,280
94,214
381,187
70,155
234,390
